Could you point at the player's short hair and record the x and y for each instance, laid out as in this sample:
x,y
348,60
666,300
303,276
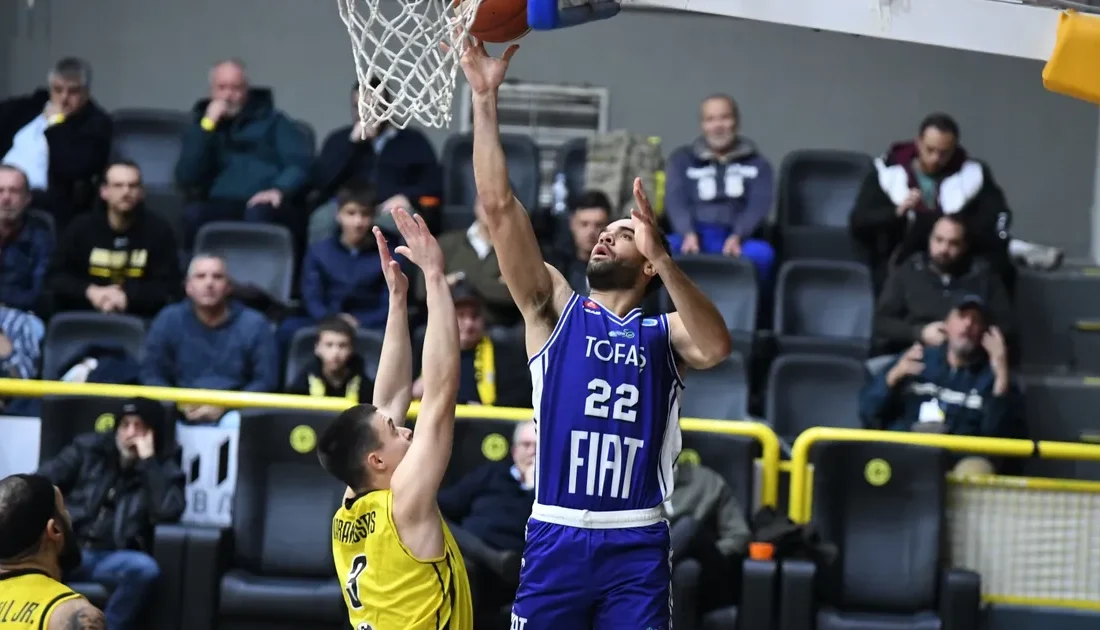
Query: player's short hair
x,y
345,444
358,192
338,325
27,503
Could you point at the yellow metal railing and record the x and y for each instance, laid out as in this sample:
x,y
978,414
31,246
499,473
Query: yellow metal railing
x,y
769,442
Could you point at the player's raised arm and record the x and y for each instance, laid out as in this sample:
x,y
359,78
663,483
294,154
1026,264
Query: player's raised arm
x,y
393,386
699,334
416,481
521,264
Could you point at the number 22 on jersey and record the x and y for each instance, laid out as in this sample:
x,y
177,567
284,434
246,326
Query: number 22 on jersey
x,y
606,456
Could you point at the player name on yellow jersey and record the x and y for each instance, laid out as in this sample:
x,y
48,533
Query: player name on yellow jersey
x,y
28,598
385,586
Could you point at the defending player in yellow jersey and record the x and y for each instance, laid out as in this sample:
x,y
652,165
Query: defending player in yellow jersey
x,y
36,545
401,568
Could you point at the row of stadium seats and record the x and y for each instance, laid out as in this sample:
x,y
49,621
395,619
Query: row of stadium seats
x,y
816,191
272,568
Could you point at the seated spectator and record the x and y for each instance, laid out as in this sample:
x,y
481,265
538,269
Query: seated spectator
x,y
21,335
209,341
489,375
342,274
123,260
242,157
720,191
962,386
25,244
920,292
59,138
469,256
399,163
338,370
708,529
118,486
918,181
589,214
487,512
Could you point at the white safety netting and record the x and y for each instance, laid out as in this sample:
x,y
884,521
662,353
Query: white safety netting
x,y
407,55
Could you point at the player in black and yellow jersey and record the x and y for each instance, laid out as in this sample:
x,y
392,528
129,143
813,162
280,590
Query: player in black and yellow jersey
x,y
401,567
37,544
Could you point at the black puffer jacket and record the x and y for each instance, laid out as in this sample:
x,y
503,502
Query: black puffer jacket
x,y
149,493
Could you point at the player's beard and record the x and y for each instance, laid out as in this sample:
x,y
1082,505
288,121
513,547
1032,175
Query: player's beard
x,y
610,275
68,559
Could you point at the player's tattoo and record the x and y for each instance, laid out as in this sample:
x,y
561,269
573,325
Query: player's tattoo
x,y
86,618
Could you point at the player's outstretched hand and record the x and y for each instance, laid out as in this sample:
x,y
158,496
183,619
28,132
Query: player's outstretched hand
x,y
647,234
396,279
485,73
420,246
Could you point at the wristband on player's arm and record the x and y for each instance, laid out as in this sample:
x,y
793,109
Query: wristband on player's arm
x,y
207,124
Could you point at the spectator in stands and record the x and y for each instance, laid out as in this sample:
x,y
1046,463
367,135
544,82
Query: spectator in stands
x,y
21,336
491,374
918,181
242,157
710,533
59,138
589,214
963,386
209,341
488,511
118,486
123,260
26,244
342,274
469,256
720,191
337,369
399,163
920,293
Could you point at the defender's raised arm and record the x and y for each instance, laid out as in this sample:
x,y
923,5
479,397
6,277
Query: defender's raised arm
x,y
510,230
393,386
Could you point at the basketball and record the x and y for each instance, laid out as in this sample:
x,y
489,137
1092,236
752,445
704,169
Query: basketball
x,y
500,21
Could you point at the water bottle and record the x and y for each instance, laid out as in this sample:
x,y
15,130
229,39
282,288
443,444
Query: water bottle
x,y
561,194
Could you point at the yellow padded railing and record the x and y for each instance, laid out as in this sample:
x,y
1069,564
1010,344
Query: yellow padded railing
x,y
769,442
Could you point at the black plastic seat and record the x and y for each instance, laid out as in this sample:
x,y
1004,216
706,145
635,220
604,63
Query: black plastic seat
x,y
71,331
813,391
824,307
274,568
152,139
459,191
883,506
720,393
257,254
479,441
571,159
731,284
64,418
816,193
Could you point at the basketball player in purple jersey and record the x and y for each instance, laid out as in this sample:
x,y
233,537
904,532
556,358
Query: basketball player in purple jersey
x,y
606,399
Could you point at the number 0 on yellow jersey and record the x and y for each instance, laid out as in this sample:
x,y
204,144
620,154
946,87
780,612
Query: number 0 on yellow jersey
x,y
385,586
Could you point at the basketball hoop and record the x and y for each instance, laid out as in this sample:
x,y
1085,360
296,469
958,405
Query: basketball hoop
x,y
398,46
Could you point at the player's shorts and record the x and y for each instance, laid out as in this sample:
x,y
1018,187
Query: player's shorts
x,y
602,579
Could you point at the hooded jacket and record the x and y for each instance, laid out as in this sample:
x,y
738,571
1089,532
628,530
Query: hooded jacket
x,y
258,149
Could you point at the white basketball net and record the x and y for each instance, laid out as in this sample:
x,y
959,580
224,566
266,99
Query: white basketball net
x,y
399,44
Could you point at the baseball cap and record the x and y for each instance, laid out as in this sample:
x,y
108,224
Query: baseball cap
x,y
974,301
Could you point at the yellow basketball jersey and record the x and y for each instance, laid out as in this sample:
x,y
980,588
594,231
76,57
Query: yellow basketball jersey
x,y
29,597
385,587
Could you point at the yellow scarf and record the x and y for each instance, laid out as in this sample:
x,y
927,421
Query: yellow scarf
x,y
317,387
485,371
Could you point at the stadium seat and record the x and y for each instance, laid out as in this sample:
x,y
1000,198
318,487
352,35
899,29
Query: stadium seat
x,y
257,254
273,569
152,139
721,393
44,218
571,160
816,192
731,284
70,332
824,307
65,417
478,441
459,192
813,391
874,500
368,343
309,133
730,455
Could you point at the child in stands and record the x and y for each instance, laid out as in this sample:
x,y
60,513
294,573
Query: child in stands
x,y
337,369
